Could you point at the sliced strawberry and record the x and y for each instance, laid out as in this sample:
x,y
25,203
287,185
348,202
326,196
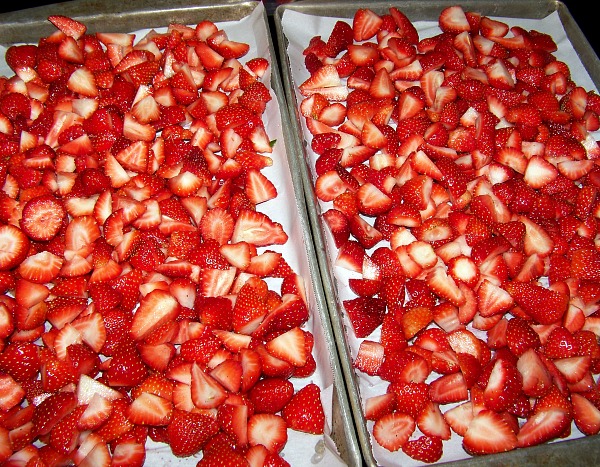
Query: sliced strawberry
x,y
424,449
155,309
542,426
68,26
15,246
393,430
289,346
544,305
268,430
585,414
489,433
454,20
150,409
304,412
365,314
258,229
188,432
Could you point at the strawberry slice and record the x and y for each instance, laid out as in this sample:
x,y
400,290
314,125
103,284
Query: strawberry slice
x,y
188,432
453,20
258,229
15,246
393,430
365,24
156,308
585,414
267,429
544,305
304,412
68,26
489,433
425,449
41,267
544,425
150,409
42,217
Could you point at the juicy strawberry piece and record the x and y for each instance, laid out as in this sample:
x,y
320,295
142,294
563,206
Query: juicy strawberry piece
x,y
129,453
16,246
224,456
542,426
454,20
21,56
270,395
424,449
584,263
126,366
378,406
304,412
249,310
341,36
404,366
560,343
289,347
415,319
268,430
406,29
42,217
489,433
41,267
188,432
393,430
258,229
365,24
521,337
63,436
150,409
448,388
585,414
20,360
544,305
503,386
52,410
68,26
365,314
369,357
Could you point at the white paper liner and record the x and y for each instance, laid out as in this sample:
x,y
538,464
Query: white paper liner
x,y
299,29
302,450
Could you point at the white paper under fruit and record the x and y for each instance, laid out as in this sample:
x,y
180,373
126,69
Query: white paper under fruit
x,y
302,449
299,29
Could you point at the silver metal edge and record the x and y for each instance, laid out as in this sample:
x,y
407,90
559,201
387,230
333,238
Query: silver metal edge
x,y
131,15
584,451
122,15
350,452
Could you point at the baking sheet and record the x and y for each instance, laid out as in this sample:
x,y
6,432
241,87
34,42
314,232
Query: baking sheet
x,y
339,445
296,25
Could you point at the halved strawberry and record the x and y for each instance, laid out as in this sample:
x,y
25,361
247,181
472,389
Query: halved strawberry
x,y
15,246
258,229
489,433
393,430
304,412
542,426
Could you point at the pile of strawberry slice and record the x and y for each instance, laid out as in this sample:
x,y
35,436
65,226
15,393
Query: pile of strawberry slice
x,y
458,182
144,292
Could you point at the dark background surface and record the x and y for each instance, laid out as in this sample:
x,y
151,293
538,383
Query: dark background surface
x,y
585,18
